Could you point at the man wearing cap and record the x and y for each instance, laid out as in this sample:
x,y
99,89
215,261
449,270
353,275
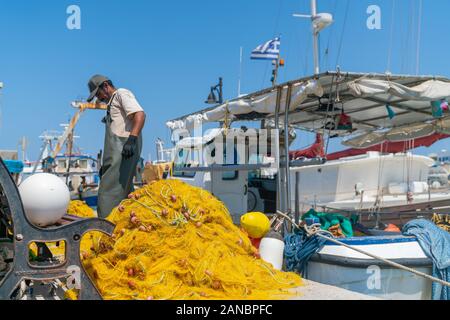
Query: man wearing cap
x,y
124,121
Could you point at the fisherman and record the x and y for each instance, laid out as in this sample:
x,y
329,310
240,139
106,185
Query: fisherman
x,y
124,121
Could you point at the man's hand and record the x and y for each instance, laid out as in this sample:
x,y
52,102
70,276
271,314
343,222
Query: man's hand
x,y
129,149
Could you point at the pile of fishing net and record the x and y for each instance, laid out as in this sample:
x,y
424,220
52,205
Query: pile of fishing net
x,y
175,241
80,209
442,221
76,208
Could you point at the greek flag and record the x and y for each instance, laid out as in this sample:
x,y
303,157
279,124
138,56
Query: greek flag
x,y
267,51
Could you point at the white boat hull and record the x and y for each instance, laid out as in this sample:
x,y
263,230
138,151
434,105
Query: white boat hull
x,y
348,269
365,182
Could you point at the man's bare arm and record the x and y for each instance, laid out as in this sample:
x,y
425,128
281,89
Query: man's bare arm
x,y
138,119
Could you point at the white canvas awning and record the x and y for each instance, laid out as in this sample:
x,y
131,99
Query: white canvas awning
x,y
363,97
398,134
263,105
430,90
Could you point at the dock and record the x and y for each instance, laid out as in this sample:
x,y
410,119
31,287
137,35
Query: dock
x,y
318,291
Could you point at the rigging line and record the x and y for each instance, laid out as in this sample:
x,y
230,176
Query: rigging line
x,y
392,36
419,33
264,77
277,21
327,50
343,31
289,51
402,42
410,38
306,64
328,110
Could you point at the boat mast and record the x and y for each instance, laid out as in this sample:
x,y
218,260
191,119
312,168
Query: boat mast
x,y
315,38
319,22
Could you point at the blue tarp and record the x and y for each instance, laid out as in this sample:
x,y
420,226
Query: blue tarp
x,y
14,166
435,242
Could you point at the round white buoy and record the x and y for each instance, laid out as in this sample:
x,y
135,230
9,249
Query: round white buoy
x,y
45,198
271,249
436,185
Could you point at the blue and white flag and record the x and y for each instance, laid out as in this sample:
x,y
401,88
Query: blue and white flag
x,y
267,51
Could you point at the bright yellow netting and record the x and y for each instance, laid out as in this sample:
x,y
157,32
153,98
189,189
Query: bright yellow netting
x,y
442,221
80,209
76,208
175,241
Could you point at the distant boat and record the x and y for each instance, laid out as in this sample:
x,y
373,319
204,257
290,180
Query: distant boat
x,y
79,171
82,177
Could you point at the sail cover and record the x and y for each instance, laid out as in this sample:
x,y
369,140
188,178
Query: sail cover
x,y
263,105
319,101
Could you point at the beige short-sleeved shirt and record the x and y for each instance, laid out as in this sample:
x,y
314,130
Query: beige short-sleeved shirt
x,y
123,103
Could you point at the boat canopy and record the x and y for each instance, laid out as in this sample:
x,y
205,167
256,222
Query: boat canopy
x,y
382,107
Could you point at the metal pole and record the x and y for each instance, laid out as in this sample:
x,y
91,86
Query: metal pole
x,y
40,157
240,73
220,90
297,197
286,149
315,38
277,145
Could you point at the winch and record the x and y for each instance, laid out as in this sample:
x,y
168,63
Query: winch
x,y
17,233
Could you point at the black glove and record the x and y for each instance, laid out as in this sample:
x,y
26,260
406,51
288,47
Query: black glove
x,y
129,149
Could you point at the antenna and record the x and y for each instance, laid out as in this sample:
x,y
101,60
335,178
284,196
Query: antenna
x,y
240,73
23,144
319,22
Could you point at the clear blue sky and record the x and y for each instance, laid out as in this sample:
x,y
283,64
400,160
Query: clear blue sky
x,y
169,53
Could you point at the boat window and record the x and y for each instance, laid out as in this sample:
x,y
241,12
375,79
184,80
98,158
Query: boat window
x,y
231,175
186,158
227,175
83,164
62,164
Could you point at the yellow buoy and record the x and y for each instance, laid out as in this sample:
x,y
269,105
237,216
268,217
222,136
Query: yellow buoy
x,y
256,224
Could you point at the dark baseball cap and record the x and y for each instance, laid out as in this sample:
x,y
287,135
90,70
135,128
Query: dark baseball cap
x,y
94,83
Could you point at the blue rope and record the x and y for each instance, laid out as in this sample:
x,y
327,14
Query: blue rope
x,y
299,248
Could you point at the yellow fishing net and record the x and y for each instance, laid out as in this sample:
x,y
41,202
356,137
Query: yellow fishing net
x,y
80,209
175,241
76,208
442,221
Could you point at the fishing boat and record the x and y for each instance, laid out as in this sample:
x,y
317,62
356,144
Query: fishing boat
x,y
79,171
345,268
362,109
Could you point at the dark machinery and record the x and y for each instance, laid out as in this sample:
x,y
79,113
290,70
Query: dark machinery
x,y
17,233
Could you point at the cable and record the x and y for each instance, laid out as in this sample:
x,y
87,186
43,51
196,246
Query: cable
x,y
343,31
392,36
327,51
277,20
419,33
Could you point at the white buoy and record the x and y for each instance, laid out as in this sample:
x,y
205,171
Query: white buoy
x,y
271,249
45,198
